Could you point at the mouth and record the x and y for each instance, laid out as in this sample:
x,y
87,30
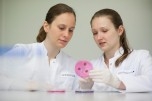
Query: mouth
x,y
102,44
63,41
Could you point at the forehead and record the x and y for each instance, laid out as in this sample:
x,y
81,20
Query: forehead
x,y
102,21
65,17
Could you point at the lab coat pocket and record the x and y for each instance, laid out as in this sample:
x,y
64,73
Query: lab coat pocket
x,y
66,81
126,72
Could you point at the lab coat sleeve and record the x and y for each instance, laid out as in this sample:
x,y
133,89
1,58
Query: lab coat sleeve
x,y
141,82
7,83
76,83
10,60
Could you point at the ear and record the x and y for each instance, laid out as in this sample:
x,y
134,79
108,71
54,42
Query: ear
x,y
120,30
46,26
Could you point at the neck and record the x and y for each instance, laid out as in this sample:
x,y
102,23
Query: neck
x,y
108,56
52,51
111,52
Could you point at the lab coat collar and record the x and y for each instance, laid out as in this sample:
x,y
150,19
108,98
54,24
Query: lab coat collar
x,y
43,48
117,54
59,55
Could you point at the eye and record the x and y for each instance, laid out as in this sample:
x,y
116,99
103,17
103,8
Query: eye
x,y
71,30
61,28
95,33
104,30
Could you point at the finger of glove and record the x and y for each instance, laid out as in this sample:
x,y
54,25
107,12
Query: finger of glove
x,y
84,79
97,73
98,80
94,71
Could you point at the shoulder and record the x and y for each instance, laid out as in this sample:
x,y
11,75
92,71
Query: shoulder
x,y
140,53
26,46
29,45
21,49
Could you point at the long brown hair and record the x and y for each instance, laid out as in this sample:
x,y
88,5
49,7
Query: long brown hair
x,y
53,12
117,21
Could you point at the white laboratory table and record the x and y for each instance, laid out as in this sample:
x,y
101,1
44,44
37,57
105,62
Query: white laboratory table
x,y
72,96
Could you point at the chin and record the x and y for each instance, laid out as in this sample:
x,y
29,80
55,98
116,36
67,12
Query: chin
x,y
103,49
61,46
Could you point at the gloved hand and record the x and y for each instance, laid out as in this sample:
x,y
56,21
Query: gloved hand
x,y
32,86
85,83
105,76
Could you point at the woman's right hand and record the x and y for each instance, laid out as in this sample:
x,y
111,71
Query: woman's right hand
x,y
85,83
35,86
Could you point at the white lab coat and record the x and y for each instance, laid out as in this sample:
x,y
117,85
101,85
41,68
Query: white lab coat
x,y
25,62
135,71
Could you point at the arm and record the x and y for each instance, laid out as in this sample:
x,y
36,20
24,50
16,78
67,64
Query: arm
x,y
22,84
12,64
142,81
12,83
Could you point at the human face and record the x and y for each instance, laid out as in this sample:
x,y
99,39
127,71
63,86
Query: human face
x,y
105,34
60,31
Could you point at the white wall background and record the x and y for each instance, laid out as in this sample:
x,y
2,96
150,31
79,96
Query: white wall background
x,y
20,21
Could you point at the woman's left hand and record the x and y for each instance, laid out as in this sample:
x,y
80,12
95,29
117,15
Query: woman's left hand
x,y
105,76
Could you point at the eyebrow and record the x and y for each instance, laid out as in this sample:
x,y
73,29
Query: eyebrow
x,y
64,25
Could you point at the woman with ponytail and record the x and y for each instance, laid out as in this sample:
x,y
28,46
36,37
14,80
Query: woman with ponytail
x,y
42,65
119,68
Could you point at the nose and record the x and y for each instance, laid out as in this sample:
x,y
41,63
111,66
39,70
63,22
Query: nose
x,y
66,33
99,36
